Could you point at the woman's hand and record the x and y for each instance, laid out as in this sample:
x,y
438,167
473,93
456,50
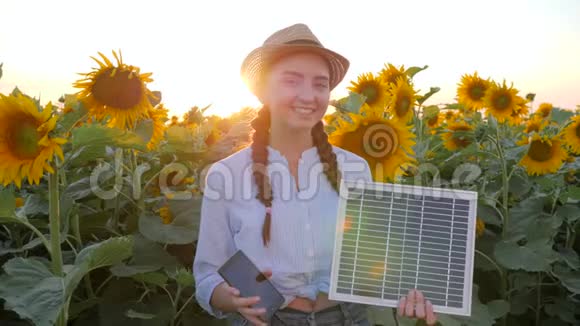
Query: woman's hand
x,y
414,305
227,298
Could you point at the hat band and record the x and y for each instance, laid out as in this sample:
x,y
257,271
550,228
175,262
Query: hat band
x,y
302,41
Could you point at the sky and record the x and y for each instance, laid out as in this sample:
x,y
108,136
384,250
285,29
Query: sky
x,y
195,48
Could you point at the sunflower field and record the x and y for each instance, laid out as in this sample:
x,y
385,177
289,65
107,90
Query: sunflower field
x,y
101,193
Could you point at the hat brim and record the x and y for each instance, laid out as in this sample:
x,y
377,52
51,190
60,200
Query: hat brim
x,y
254,64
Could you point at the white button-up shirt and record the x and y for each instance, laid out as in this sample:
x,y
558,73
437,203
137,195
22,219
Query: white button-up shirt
x,y
303,222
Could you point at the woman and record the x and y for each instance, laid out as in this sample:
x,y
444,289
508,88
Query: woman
x,y
284,220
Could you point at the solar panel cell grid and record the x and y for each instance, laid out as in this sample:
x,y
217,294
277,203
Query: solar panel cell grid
x,y
392,239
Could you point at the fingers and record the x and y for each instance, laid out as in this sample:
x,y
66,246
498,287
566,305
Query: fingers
x,y
431,318
267,273
244,302
401,307
420,305
414,305
233,291
254,315
410,304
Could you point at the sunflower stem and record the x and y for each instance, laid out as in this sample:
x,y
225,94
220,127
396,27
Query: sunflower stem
x,y
505,190
539,299
55,252
54,215
118,185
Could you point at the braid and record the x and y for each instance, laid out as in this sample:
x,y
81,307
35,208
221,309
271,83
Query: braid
x,y
327,155
260,140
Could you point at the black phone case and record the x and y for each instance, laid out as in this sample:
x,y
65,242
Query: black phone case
x,y
241,273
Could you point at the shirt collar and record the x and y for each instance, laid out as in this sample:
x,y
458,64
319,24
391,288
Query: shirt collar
x,y
309,154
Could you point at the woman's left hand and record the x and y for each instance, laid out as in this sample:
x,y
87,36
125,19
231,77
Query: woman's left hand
x,y
414,305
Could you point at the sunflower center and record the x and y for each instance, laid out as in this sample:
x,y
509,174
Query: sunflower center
x,y
403,106
371,93
373,140
578,130
477,92
540,151
118,88
23,139
502,102
433,121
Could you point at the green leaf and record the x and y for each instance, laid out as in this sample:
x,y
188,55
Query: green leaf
x,y
570,212
488,214
100,254
155,278
138,315
574,192
563,309
560,116
427,95
35,204
570,279
531,258
105,253
182,230
144,130
32,291
148,256
85,154
96,134
182,276
412,71
498,308
571,258
351,103
68,120
524,214
7,207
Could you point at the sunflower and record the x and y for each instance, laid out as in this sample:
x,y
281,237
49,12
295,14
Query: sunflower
x,y
479,227
450,116
165,214
544,155
391,74
535,124
158,116
544,110
385,144
26,148
471,91
571,135
521,112
502,101
18,202
403,100
116,91
453,141
375,90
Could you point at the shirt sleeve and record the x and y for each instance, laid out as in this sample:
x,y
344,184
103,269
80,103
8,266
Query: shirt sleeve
x,y
215,240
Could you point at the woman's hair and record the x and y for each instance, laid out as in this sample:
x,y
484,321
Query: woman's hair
x,y
260,141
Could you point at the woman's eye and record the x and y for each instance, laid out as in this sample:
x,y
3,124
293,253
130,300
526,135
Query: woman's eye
x,y
290,82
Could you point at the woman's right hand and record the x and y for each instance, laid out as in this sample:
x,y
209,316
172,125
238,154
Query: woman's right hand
x,y
227,298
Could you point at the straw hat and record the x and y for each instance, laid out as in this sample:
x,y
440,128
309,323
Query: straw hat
x,y
292,39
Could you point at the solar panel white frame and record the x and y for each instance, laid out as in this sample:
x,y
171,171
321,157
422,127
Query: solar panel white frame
x,y
399,191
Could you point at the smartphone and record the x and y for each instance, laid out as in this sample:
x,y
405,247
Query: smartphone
x,y
241,273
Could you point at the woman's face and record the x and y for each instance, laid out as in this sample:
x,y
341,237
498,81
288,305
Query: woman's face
x,y
297,91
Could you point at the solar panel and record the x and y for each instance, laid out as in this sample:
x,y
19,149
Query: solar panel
x,y
393,238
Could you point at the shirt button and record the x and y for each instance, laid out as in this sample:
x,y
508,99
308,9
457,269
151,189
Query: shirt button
x,y
310,252
307,226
